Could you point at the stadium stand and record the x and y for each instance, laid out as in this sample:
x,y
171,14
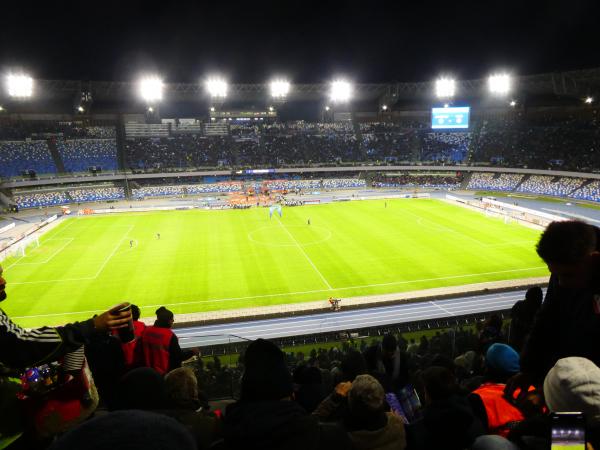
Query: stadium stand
x,y
418,180
494,181
547,185
590,191
80,154
97,194
37,199
16,157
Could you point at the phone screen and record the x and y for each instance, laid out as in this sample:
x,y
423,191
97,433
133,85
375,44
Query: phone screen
x,y
568,431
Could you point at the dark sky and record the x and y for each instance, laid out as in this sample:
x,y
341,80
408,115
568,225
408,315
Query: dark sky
x,y
308,41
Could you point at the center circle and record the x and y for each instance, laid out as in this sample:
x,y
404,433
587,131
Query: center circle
x,y
290,236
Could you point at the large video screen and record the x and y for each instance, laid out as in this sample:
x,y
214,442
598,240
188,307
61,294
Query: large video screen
x,y
450,118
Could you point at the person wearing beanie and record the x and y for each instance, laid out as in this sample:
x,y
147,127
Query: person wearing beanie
x,y
573,384
160,346
568,323
265,417
129,429
368,424
497,414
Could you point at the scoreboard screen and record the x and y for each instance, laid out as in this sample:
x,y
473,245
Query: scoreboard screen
x,y
450,118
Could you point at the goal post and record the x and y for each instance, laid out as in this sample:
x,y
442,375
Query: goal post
x,y
20,248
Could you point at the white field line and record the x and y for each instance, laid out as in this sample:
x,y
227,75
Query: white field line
x,y
81,278
267,295
113,252
420,219
55,234
305,255
441,308
69,240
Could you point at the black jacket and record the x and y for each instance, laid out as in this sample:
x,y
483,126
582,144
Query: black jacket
x,y
271,425
566,325
21,348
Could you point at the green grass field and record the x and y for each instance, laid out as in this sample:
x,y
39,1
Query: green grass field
x,y
209,260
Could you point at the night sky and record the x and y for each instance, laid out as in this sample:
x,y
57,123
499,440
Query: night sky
x,y
307,41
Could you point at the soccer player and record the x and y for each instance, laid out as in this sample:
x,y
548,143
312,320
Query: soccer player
x,y
309,221
131,243
158,236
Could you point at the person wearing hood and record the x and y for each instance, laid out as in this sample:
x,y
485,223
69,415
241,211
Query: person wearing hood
x,y
497,414
522,315
388,363
367,423
448,421
265,417
160,345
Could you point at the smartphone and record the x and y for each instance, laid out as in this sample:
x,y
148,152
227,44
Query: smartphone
x,y
568,431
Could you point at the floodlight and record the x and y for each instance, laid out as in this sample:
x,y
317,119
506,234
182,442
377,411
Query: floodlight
x,y
499,84
216,87
80,109
384,107
513,103
271,109
445,87
327,108
341,91
151,89
589,100
446,105
19,85
150,109
280,88
212,109
1,108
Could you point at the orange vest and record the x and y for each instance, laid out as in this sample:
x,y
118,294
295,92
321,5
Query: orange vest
x,y
155,343
501,414
132,350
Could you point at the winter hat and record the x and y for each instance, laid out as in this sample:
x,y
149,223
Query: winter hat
x,y
266,376
366,393
163,317
573,384
128,429
141,388
502,358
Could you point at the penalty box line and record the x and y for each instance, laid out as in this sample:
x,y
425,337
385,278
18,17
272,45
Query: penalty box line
x,y
112,253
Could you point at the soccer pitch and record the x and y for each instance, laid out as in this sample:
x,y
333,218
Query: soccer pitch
x,y
210,260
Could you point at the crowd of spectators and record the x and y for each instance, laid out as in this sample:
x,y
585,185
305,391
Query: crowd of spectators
x,y
24,129
80,154
494,181
445,147
416,181
185,189
17,157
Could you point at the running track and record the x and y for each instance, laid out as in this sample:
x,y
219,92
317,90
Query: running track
x,y
346,320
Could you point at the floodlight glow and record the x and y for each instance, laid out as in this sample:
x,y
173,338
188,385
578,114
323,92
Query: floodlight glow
x,y
280,88
271,108
384,107
499,84
151,89
216,87
1,108
19,85
341,91
212,109
446,105
327,108
589,100
513,103
80,109
150,109
445,87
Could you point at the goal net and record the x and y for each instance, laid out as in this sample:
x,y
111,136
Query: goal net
x,y
20,248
